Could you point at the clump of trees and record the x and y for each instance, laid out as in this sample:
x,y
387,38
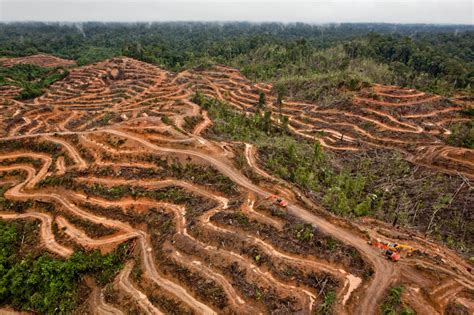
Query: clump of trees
x,y
30,78
238,125
426,63
46,284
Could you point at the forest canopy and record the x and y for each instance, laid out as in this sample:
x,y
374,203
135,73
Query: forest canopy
x,y
301,56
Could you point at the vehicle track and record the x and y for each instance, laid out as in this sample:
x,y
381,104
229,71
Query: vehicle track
x,y
46,231
384,272
102,308
125,285
149,266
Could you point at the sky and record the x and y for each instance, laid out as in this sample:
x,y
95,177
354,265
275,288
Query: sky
x,y
316,11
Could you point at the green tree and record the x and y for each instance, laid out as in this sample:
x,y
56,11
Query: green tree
x,y
318,154
267,121
285,120
261,100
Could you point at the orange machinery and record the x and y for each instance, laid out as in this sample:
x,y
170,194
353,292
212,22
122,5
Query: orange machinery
x,y
277,200
387,252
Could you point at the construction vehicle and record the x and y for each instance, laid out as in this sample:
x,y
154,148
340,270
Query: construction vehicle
x,y
277,200
386,251
400,247
393,256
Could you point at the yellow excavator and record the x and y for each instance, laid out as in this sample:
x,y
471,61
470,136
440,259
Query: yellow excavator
x,y
392,250
400,247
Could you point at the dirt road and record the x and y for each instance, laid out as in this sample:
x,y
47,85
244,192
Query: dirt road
x,y
117,110
384,270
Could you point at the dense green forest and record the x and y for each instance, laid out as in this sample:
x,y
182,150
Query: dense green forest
x,y
309,60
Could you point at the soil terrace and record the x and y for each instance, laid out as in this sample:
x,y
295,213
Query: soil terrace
x,y
104,155
381,116
42,60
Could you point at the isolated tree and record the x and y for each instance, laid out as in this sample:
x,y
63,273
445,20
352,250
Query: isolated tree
x,y
279,102
267,121
280,91
441,203
261,100
198,98
284,122
292,154
318,153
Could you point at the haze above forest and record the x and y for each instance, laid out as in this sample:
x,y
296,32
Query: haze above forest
x,y
388,11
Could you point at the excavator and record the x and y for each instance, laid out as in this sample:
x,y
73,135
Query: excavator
x,y
386,251
400,247
277,200
392,250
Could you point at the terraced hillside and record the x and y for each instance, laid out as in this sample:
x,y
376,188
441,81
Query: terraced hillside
x,y
381,116
42,60
115,153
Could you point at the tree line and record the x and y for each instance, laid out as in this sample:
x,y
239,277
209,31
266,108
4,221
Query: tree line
x,y
302,56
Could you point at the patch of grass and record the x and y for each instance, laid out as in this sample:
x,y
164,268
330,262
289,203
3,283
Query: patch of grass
x,y
166,120
393,304
326,307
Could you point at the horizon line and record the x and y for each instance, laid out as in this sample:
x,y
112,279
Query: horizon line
x,y
235,21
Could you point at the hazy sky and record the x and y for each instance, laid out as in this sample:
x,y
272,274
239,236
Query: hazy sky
x,y
316,11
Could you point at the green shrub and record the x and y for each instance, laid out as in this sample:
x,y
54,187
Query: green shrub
x,y
393,304
326,307
462,135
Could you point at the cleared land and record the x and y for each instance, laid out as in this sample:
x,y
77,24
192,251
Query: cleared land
x,y
117,148
42,60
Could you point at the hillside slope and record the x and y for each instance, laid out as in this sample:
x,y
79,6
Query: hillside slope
x,y
118,151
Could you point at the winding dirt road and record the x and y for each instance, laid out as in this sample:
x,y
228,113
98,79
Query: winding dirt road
x,y
121,135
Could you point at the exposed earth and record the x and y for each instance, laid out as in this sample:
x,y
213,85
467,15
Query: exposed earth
x,y
96,145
